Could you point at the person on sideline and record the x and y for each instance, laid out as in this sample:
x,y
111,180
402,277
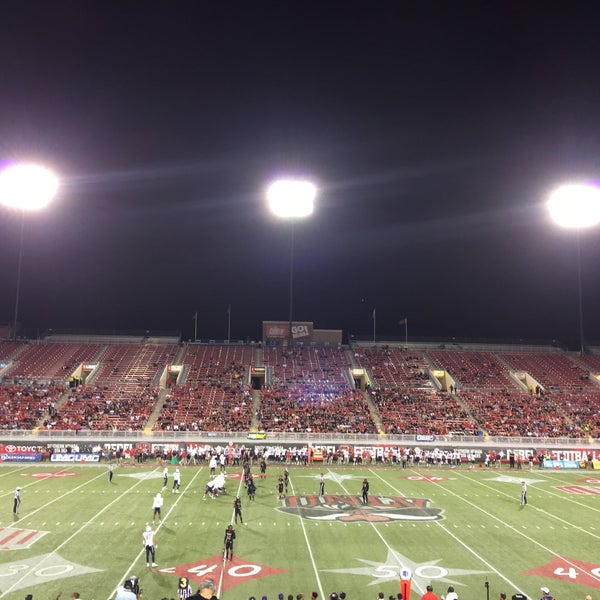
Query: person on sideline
x,y
451,595
429,595
17,501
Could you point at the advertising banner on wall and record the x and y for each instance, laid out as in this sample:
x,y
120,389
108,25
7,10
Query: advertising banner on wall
x,y
277,331
75,457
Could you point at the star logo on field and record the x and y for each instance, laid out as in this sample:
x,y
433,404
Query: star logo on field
x,y
510,479
422,573
331,476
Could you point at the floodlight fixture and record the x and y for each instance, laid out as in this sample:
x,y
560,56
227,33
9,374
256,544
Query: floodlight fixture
x,y
27,187
575,206
291,198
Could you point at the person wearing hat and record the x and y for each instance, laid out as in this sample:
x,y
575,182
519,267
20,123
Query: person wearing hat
x,y
125,591
546,594
333,596
149,543
17,501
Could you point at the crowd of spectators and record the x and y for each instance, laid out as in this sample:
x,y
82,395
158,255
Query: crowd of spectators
x,y
107,407
214,407
22,406
309,390
314,409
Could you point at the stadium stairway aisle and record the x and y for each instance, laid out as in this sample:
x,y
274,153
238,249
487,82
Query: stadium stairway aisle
x,y
155,412
374,412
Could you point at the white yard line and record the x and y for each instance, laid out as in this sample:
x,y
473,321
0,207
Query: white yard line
x,y
143,550
457,539
222,576
65,542
310,552
533,506
33,512
511,527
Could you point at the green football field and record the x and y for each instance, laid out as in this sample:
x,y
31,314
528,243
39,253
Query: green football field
x,y
462,527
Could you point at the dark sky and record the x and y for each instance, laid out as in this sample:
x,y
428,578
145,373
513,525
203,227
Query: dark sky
x,y
434,130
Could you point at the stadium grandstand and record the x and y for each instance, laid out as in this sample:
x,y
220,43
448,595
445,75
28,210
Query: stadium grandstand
x,y
128,387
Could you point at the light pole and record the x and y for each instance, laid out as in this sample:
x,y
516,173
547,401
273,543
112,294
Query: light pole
x,y
291,199
576,206
25,188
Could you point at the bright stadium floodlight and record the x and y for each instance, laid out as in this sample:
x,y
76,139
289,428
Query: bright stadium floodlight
x,y
291,199
576,206
26,188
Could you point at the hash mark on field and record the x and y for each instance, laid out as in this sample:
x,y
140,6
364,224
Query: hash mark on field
x,y
482,526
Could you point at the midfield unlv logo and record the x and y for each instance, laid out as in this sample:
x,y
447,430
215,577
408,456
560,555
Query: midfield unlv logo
x,y
348,508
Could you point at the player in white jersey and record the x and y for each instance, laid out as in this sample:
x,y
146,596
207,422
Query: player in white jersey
x,y
149,543
176,481
156,506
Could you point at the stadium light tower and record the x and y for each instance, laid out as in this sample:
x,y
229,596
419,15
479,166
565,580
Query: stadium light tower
x,y
576,206
291,199
25,188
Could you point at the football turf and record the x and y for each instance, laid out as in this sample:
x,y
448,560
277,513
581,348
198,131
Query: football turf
x,y
461,527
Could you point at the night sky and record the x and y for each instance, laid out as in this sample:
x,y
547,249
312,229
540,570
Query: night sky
x,y
434,131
